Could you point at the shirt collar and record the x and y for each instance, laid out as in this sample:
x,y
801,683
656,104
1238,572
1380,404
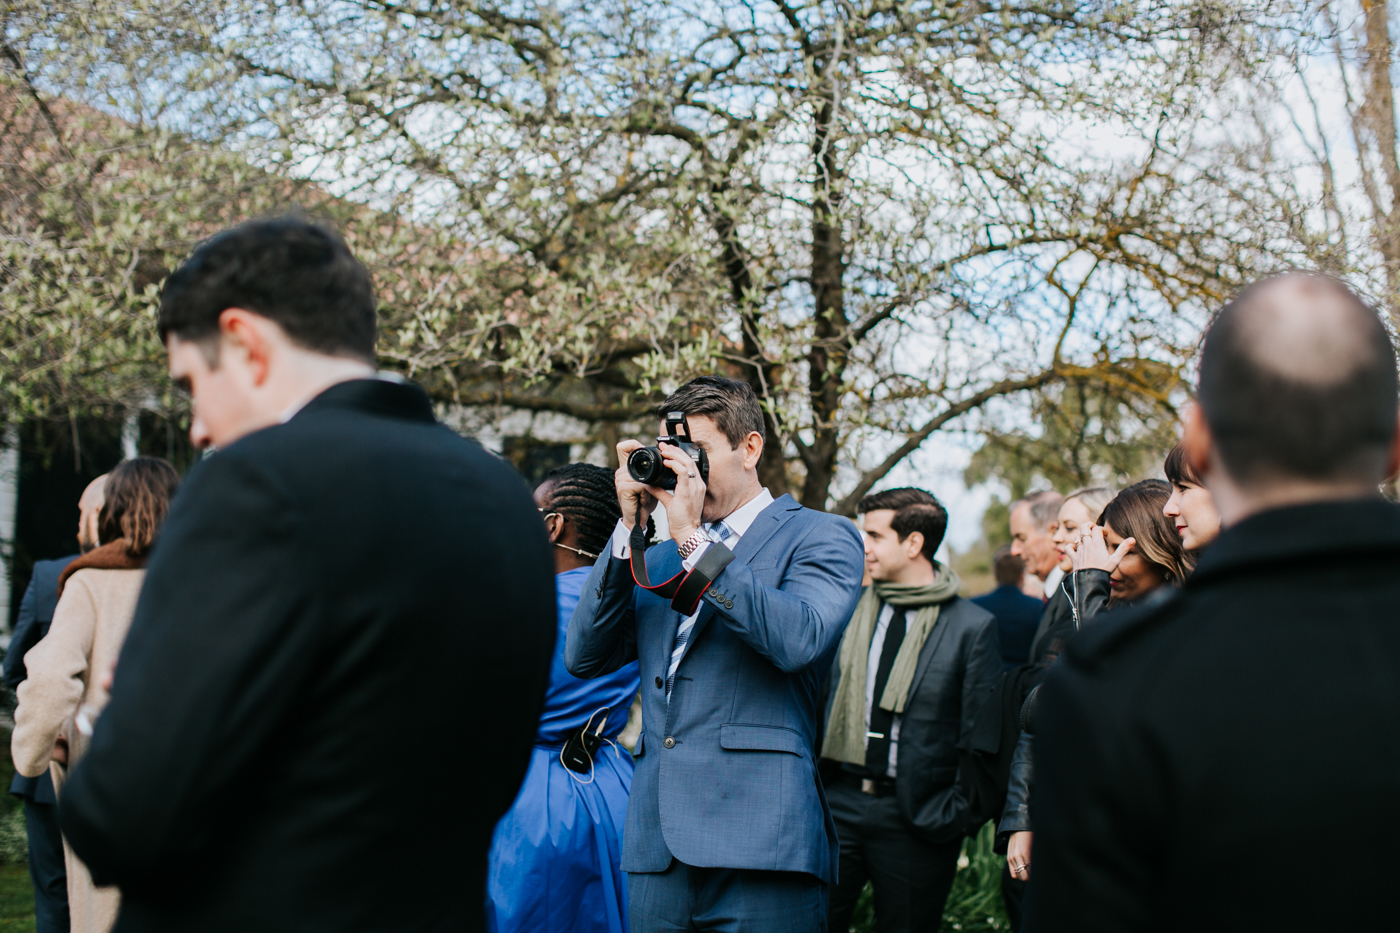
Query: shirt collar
x,y
741,518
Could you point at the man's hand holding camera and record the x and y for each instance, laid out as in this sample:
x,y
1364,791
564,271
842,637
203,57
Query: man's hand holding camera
x,y
685,504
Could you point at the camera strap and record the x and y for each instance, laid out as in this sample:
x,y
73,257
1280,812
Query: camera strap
x,y
684,589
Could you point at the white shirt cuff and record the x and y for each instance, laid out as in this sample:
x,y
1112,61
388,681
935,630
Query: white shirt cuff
x,y
621,543
689,562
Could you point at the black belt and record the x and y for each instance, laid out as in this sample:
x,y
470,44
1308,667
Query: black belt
x,y
875,787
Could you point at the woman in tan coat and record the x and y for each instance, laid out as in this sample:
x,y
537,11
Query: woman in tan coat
x,y
67,668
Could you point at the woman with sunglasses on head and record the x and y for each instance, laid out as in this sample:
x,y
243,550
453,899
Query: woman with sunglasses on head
x,y
554,864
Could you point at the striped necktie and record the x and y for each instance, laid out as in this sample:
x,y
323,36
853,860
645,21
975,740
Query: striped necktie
x,y
719,533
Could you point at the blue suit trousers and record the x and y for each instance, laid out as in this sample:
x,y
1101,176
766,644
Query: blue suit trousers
x,y
46,867
726,900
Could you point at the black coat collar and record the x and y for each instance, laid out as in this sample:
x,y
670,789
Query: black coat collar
x,y
1315,530
385,397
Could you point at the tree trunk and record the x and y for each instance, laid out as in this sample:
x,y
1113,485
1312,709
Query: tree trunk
x,y
1378,109
826,359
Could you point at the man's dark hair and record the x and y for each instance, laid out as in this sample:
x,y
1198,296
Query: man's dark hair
x,y
914,510
1178,469
1298,380
1044,506
291,271
587,496
136,500
731,403
1008,568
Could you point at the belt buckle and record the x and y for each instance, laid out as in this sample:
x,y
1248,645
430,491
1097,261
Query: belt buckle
x,y
867,786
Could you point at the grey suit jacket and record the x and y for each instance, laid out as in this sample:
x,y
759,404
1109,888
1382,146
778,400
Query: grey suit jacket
x,y
726,773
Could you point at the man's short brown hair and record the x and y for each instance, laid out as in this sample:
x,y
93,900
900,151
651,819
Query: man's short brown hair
x,y
732,404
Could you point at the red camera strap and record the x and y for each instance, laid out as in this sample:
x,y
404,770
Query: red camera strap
x,y
684,589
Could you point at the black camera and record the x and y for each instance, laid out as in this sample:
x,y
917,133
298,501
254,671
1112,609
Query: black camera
x,y
648,466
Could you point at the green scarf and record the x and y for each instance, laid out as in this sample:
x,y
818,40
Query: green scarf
x,y
845,730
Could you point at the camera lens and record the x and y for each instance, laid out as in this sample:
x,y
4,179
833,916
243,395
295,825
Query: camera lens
x,y
645,465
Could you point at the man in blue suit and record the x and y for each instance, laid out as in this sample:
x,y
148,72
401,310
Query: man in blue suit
x,y
1018,615
728,826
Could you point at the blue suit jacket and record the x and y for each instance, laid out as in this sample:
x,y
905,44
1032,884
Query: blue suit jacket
x,y
36,611
1018,617
726,773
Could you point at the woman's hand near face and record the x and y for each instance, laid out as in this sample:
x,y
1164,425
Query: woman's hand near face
x,y
1091,552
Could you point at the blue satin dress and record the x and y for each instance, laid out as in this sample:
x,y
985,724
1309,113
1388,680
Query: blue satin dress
x,y
556,852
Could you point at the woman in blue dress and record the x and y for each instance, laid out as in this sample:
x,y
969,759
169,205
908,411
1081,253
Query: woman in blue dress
x,y
556,853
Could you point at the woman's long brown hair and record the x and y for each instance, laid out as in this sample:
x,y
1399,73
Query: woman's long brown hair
x,y
1136,513
137,497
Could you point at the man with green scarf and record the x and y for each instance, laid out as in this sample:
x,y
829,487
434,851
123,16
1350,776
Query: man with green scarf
x,y
914,666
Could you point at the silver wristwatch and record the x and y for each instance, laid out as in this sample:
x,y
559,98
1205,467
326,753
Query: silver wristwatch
x,y
688,546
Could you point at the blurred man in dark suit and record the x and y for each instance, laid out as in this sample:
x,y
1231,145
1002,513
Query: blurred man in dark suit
x,y
36,609
330,690
1224,760
1018,615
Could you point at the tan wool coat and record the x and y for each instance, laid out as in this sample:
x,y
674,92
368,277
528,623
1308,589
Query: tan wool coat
x,y
64,673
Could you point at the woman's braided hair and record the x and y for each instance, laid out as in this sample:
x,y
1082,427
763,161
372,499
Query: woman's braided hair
x,y
585,495
137,498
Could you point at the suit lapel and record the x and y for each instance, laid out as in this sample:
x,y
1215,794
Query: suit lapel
x,y
930,647
763,528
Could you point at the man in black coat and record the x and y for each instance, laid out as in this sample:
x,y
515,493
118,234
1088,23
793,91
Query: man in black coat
x,y
1225,761
331,687
915,665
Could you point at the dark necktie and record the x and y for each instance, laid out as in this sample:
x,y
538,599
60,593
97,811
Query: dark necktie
x,y
877,740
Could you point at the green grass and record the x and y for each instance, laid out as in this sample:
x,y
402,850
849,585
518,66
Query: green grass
x,y
16,899
973,905
16,890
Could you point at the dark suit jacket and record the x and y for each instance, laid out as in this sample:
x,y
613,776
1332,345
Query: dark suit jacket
x,y
1225,760
958,667
331,686
1018,617
35,615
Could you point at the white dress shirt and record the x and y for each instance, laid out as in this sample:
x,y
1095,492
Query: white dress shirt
x,y
872,669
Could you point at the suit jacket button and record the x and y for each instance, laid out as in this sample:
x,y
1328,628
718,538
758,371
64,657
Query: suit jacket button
x,y
729,604
670,742
660,683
